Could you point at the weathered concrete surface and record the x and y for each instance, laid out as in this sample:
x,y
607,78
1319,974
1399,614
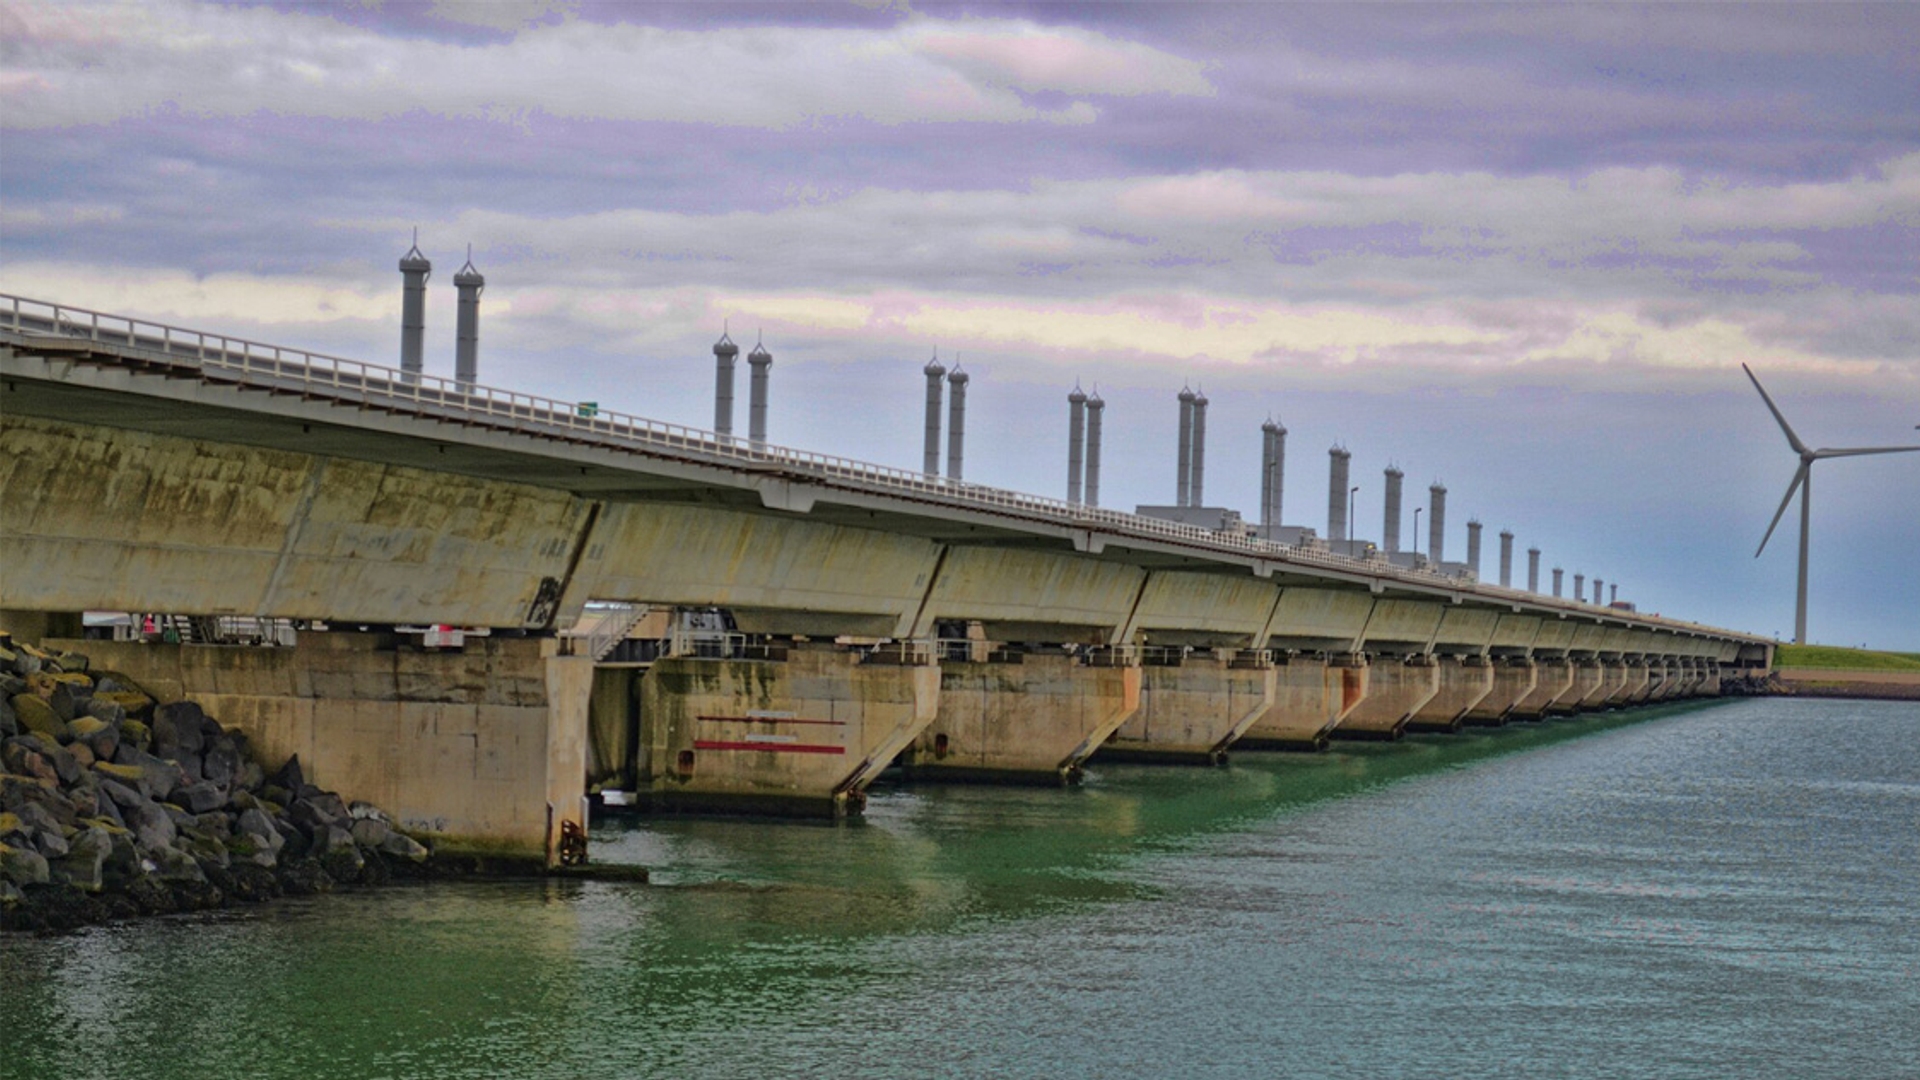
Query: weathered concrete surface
x,y
1191,713
1553,677
1514,635
1613,691
1589,684
1311,696
777,574
94,517
1638,680
1402,625
1396,690
1466,630
1514,680
1033,595
800,737
1204,610
1464,683
483,750
1035,721
1320,620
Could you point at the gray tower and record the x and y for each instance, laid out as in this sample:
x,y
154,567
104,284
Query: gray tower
x,y
1095,407
1436,521
1533,570
1599,592
1506,558
1580,588
1556,580
1183,485
1199,493
930,458
414,272
760,362
1614,596
1273,463
1337,492
466,345
1391,516
956,420
724,351
1473,545
1076,441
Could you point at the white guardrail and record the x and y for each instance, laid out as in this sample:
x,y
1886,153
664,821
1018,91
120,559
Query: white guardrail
x,y
222,358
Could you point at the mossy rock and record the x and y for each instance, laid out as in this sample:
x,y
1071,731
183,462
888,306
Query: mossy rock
x,y
76,662
134,702
86,727
38,716
103,823
72,678
131,775
136,734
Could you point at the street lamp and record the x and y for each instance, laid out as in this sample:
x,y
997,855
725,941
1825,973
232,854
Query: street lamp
x,y
1416,529
1352,528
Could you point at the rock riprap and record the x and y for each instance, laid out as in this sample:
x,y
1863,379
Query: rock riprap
x,y
113,806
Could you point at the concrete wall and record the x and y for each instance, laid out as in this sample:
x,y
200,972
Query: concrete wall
x,y
1464,684
799,737
1033,595
470,748
1194,711
796,575
1396,690
99,518
1227,610
1320,620
1514,681
1311,696
1031,722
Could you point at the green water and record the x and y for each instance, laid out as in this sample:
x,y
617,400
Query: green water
x,y
1684,891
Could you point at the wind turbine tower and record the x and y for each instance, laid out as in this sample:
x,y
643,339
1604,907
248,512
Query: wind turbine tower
x,y
1803,483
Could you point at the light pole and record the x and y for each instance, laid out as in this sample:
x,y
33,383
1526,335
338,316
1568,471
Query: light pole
x,y
1416,529
1352,525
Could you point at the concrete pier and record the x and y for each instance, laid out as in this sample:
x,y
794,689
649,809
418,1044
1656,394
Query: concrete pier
x,y
1397,688
1465,682
1312,695
1554,678
1035,721
1193,712
801,736
481,751
1514,679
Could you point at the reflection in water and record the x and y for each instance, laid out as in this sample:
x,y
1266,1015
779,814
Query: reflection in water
x,y
1667,892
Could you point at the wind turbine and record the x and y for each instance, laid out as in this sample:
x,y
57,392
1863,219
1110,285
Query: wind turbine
x,y
1803,483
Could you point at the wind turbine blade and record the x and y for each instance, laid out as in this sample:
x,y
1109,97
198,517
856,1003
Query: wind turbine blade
x,y
1857,451
1792,439
1799,477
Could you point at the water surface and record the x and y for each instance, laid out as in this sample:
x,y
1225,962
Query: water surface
x,y
1683,891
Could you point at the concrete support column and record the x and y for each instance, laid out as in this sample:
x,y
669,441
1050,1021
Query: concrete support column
x,y
1615,693
1514,679
1034,721
1639,679
801,737
1191,713
1312,695
1396,690
1589,688
1554,678
1465,682
481,751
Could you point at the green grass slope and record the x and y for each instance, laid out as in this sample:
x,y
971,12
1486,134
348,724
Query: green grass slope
x,y
1839,659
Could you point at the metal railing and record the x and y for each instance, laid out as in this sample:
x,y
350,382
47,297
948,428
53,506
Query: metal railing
x,y
603,626
223,358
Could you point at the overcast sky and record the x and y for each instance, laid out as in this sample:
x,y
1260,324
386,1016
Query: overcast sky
x,y
1521,250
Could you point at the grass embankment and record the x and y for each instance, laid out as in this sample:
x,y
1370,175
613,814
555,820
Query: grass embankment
x,y
1834,658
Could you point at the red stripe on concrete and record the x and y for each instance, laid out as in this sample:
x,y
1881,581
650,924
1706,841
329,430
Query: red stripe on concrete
x,y
774,748
770,720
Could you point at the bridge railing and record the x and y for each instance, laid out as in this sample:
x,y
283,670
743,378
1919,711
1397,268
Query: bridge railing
x,y
221,357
